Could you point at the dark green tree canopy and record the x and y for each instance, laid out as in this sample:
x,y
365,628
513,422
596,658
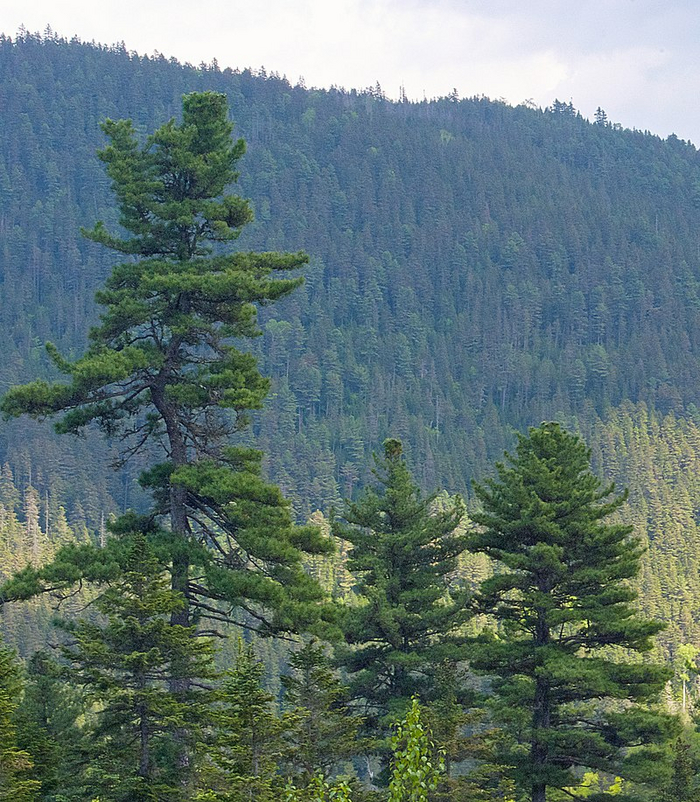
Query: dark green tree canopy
x,y
125,662
165,342
404,555
562,599
322,731
165,367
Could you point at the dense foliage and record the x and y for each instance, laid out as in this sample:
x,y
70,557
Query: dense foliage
x,y
404,554
560,255
473,269
562,598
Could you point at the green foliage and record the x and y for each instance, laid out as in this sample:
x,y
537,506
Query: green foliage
x,y
416,767
551,311
16,783
249,738
415,770
564,606
404,554
591,785
683,784
162,367
126,665
318,790
322,731
48,728
686,654
466,243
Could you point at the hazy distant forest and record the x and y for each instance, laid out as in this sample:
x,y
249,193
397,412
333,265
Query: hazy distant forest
x,y
297,566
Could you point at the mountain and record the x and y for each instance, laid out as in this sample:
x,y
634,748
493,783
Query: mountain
x,y
475,269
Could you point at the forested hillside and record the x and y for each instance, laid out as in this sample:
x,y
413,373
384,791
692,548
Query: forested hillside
x,y
475,269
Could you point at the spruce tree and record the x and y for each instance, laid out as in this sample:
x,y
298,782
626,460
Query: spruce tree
x,y
566,615
48,728
404,555
126,663
322,731
164,369
248,743
16,782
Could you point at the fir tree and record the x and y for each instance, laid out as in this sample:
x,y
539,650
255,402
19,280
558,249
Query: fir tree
x,y
683,785
16,783
322,731
562,598
248,744
47,725
404,555
126,666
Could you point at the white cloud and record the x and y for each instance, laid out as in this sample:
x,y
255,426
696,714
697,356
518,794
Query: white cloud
x,y
636,58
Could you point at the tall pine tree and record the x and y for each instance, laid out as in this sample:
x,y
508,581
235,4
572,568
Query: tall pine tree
x,y
164,368
562,598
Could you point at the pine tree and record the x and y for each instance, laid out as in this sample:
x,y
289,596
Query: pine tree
x,y
404,555
562,598
16,783
164,368
126,666
322,731
248,744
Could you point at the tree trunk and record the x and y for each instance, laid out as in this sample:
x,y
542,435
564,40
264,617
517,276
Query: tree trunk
x,y
144,745
179,681
541,717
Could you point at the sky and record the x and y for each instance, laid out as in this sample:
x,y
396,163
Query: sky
x,y
639,60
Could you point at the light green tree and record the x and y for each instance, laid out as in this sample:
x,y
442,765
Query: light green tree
x,y
16,783
416,765
686,665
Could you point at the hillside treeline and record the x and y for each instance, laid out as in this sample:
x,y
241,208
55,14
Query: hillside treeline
x,y
473,268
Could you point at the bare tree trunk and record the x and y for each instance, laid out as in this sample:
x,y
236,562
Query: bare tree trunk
x,y
180,680
541,716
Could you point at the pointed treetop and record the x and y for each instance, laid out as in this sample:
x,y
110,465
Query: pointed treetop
x,y
393,449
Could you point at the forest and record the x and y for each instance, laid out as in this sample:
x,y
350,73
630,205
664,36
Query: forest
x,y
271,547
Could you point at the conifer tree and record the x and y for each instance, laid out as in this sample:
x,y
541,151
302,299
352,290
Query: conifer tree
x,y
16,783
322,730
682,785
47,725
249,738
403,556
126,666
164,368
562,598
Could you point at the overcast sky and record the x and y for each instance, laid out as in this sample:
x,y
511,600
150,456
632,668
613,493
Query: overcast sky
x,y
637,59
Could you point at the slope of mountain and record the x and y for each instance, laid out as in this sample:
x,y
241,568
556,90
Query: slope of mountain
x,y
475,268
